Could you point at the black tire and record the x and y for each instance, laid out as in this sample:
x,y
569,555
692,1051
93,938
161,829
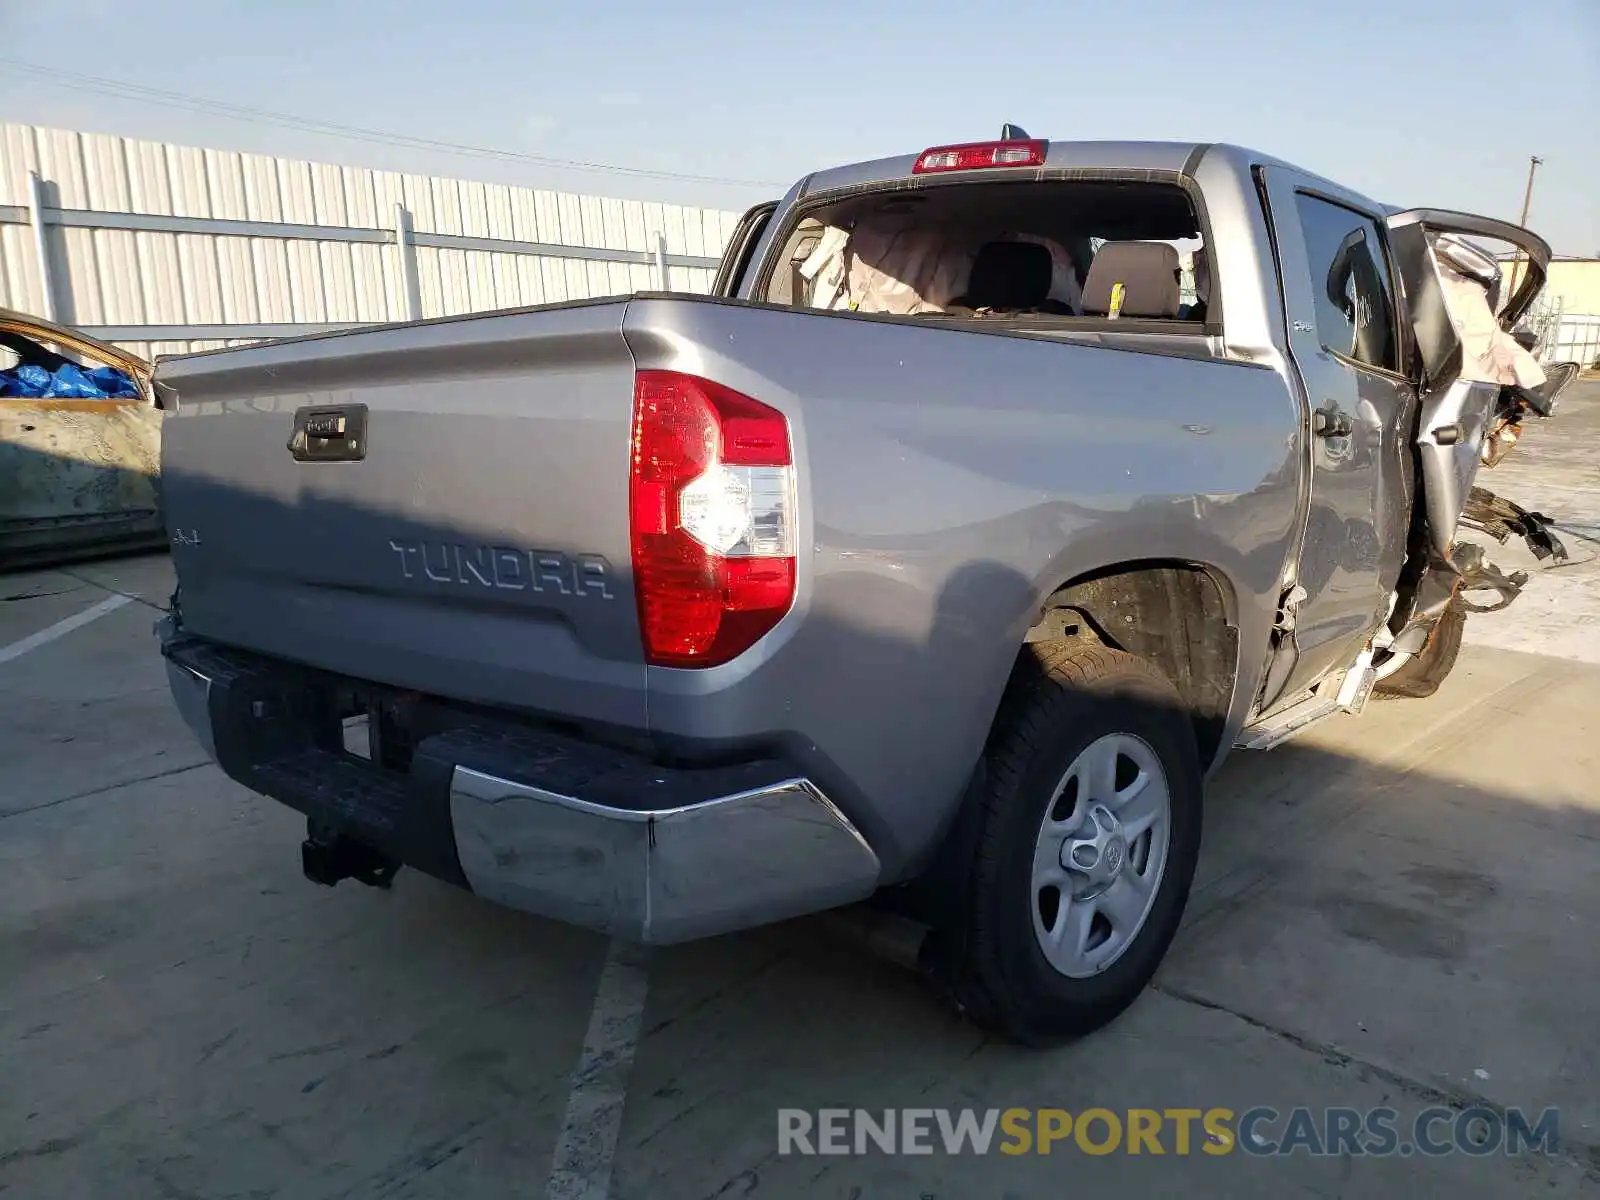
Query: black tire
x,y
1056,706
1426,670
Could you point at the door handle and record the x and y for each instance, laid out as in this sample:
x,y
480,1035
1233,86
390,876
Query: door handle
x,y
1331,423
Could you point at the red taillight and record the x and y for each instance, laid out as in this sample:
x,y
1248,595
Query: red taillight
x,y
974,156
712,498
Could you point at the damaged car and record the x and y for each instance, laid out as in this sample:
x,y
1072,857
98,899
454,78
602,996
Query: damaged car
x,y
80,446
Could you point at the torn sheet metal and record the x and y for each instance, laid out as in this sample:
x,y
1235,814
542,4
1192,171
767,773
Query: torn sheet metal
x,y
1423,237
1500,518
1480,575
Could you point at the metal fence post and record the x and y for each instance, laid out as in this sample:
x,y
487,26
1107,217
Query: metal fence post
x,y
662,278
41,245
407,249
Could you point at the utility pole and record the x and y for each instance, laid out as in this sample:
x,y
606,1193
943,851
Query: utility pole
x,y
1527,197
1527,202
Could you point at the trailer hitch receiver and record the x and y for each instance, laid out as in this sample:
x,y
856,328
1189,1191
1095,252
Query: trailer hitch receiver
x,y
327,856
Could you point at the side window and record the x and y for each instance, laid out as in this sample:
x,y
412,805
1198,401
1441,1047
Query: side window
x,y
1350,282
787,285
736,255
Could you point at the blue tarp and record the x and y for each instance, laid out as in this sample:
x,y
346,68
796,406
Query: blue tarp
x,y
68,382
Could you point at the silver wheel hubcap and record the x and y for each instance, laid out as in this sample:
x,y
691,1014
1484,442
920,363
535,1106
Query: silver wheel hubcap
x,y
1100,854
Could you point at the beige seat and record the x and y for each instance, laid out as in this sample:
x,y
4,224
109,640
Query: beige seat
x,y
1148,273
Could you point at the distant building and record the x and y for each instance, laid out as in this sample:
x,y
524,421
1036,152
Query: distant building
x,y
1567,314
1576,282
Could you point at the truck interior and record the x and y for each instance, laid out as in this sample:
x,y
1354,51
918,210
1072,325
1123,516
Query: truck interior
x,y
1082,253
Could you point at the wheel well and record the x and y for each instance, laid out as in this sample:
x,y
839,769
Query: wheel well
x,y
1175,615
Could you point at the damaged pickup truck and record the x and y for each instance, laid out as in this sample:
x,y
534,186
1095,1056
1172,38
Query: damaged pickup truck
x,y
939,557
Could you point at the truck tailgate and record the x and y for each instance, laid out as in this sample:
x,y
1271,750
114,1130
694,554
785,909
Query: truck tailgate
x,y
440,506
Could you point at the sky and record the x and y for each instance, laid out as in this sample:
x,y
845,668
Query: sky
x,y
1414,102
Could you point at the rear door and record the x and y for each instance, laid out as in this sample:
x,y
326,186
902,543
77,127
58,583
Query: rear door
x,y
1457,408
1344,336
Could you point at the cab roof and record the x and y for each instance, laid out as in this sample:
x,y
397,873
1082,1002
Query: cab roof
x,y
1182,158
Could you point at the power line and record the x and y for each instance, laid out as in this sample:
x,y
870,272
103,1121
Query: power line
x,y
149,95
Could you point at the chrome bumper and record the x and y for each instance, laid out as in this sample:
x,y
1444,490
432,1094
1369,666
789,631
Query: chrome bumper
x,y
655,875
659,876
191,692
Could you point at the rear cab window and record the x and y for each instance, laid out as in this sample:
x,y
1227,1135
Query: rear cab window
x,y
1043,251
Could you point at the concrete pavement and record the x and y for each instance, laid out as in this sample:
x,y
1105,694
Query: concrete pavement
x,y
1555,470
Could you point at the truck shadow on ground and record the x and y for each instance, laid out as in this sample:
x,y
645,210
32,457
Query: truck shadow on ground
x,y
1380,930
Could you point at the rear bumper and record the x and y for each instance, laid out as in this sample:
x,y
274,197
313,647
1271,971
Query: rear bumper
x,y
536,821
725,863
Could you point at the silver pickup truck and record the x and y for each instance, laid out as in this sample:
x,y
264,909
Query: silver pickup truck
x,y
937,558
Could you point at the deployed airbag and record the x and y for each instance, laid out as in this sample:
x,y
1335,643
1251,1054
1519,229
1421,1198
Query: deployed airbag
x,y
887,266
898,264
1488,353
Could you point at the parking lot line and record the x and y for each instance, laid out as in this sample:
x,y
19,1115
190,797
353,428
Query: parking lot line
x,y
581,1166
64,626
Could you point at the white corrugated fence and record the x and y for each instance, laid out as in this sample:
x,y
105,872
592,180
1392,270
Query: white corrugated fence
x,y
1574,337
166,249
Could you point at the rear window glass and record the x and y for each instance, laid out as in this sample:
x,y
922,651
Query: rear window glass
x,y
1006,249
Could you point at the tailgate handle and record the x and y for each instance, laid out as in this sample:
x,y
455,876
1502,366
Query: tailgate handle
x,y
329,434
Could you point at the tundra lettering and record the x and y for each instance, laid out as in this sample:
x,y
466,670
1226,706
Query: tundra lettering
x,y
506,569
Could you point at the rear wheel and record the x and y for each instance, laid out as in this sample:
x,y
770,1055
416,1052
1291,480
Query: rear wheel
x,y
1422,673
1089,830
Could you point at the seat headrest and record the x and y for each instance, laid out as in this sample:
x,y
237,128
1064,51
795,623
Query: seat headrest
x,y
1148,273
1012,275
